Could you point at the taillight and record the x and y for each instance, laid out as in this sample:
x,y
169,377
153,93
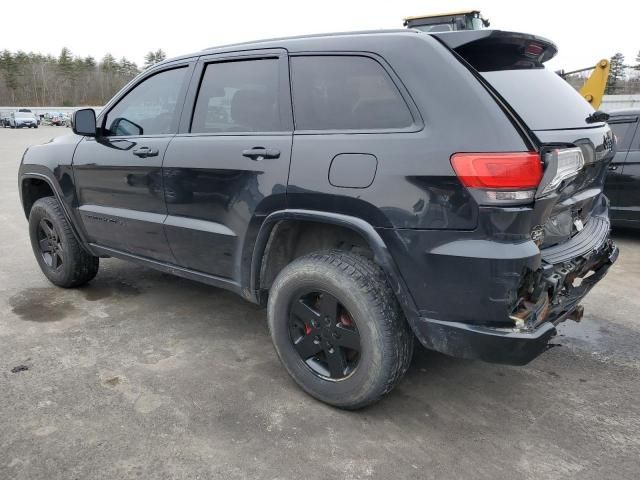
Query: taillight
x,y
502,177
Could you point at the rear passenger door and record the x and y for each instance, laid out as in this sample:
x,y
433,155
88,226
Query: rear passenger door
x,y
227,168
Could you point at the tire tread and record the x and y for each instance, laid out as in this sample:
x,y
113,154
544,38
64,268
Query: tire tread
x,y
84,265
397,338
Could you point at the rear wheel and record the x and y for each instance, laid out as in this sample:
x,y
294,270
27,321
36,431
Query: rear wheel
x,y
338,328
61,258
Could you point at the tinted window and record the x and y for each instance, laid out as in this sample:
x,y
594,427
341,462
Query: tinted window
x,y
345,93
543,99
624,133
240,96
150,108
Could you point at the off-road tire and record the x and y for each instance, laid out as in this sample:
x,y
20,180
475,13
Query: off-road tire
x,y
385,338
78,266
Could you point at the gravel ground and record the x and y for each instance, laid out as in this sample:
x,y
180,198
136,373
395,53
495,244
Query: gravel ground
x,y
144,375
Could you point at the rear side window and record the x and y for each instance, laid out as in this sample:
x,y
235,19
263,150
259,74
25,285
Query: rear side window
x,y
624,133
345,93
238,96
543,99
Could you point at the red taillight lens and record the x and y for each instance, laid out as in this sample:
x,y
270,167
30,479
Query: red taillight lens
x,y
533,50
498,171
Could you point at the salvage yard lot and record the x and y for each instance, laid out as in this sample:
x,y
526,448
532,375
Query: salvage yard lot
x,y
145,374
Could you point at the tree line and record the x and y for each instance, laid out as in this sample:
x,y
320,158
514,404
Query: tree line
x,y
36,80
67,80
623,78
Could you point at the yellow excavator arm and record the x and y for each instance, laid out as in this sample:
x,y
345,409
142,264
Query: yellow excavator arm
x,y
593,89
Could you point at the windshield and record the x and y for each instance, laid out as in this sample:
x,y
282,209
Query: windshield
x,y
24,115
543,99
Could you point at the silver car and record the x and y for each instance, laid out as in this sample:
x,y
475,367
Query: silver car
x,y
23,119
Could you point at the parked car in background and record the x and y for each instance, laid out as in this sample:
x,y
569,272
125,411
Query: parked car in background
x,y
23,119
4,119
55,118
623,180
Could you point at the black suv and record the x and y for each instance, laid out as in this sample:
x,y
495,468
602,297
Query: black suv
x,y
622,186
368,188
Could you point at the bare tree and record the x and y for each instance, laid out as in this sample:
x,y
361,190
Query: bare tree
x,y
39,80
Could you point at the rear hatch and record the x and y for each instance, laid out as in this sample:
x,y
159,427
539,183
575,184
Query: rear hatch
x,y
556,120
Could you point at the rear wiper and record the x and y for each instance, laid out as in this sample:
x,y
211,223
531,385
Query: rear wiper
x,y
597,116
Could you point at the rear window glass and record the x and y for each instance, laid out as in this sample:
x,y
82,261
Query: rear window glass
x,y
543,99
624,133
345,93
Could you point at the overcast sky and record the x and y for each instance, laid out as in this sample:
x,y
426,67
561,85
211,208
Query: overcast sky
x,y
584,31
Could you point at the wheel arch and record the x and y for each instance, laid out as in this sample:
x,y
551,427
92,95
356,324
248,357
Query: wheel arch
x,y
263,249
34,186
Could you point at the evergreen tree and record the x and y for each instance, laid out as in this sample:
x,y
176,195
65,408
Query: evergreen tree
x,y
152,58
616,73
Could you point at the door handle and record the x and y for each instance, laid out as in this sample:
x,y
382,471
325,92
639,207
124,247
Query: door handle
x,y
260,153
613,167
144,152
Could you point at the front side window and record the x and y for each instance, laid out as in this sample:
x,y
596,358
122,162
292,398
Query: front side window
x,y
345,93
238,96
151,108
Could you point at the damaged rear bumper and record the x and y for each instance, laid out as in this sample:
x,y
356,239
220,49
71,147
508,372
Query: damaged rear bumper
x,y
495,345
566,275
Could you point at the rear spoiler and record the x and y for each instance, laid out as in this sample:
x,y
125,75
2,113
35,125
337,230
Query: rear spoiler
x,y
490,50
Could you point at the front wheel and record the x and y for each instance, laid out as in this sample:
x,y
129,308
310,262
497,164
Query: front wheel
x,y
60,257
338,328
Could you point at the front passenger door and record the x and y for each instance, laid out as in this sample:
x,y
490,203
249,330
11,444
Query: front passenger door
x,y
629,195
621,185
118,174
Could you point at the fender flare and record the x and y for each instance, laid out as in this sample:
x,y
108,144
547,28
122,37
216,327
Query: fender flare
x,y
56,192
381,253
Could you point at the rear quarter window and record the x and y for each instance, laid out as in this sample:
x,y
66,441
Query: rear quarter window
x,y
542,98
345,93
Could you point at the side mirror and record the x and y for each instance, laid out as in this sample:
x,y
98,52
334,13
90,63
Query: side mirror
x,y
83,122
124,127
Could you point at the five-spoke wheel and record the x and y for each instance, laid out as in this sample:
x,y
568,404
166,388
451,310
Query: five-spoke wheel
x,y
338,328
50,244
62,259
324,335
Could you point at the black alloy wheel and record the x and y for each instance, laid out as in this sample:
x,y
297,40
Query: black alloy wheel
x,y
324,335
50,244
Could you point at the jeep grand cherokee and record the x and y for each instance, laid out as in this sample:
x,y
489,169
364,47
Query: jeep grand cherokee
x,y
368,188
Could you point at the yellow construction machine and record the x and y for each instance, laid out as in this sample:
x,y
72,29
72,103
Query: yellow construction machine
x,y
448,22
595,84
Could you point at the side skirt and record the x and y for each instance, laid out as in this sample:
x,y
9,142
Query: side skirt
x,y
212,280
